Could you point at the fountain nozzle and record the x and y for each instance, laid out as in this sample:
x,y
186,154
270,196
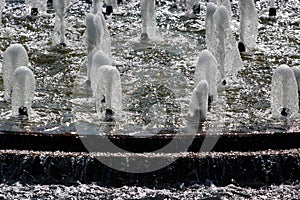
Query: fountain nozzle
x,y
34,11
241,47
23,111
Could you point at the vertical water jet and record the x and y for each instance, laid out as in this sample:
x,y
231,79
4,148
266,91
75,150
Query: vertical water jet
x,y
272,9
209,27
97,37
192,7
199,102
296,70
2,3
96,7
207,69
60,8
248,24
284,93
99,59
14,56
109,93
23,88
149,27
226,53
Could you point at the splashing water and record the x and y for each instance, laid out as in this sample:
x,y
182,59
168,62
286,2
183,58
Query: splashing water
x,y
209,27
23,89
97,37
199,102
207,69
149,27
248,23
40,5
227,53
100,58
284,94
109,92
14,56
296,70
60,7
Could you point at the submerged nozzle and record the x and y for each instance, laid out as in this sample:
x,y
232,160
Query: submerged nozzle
x,y
109,10
34,11
145,37
196,9
62,44
272,12
109,115
23,111
241,47
284,112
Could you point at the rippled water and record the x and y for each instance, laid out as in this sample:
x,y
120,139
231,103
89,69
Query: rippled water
x,y
92,191
157,80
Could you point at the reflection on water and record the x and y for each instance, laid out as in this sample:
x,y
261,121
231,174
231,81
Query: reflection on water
x,y
157,80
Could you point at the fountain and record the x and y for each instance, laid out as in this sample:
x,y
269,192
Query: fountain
x,y
199,102
193,7
296,70
248,24
226,54
97,37
109,93
48,152
100,58
272,9
209,27
60,8
284,93
14,56
23,88
225,3
2,3
34,7
149,27
96,7
207,69
110,5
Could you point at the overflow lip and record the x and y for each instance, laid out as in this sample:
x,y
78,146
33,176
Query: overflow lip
x,y
227,142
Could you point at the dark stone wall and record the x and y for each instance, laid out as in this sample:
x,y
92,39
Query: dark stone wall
x,y
245,169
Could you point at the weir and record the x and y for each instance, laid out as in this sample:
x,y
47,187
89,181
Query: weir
x,y
245,159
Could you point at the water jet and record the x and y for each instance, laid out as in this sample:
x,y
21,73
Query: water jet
x,y
14,56
207,69
149,27
272,9
97,38
227,54
199,102
248,24
209,27
23,89
99,59
108,93
284,93
60,8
